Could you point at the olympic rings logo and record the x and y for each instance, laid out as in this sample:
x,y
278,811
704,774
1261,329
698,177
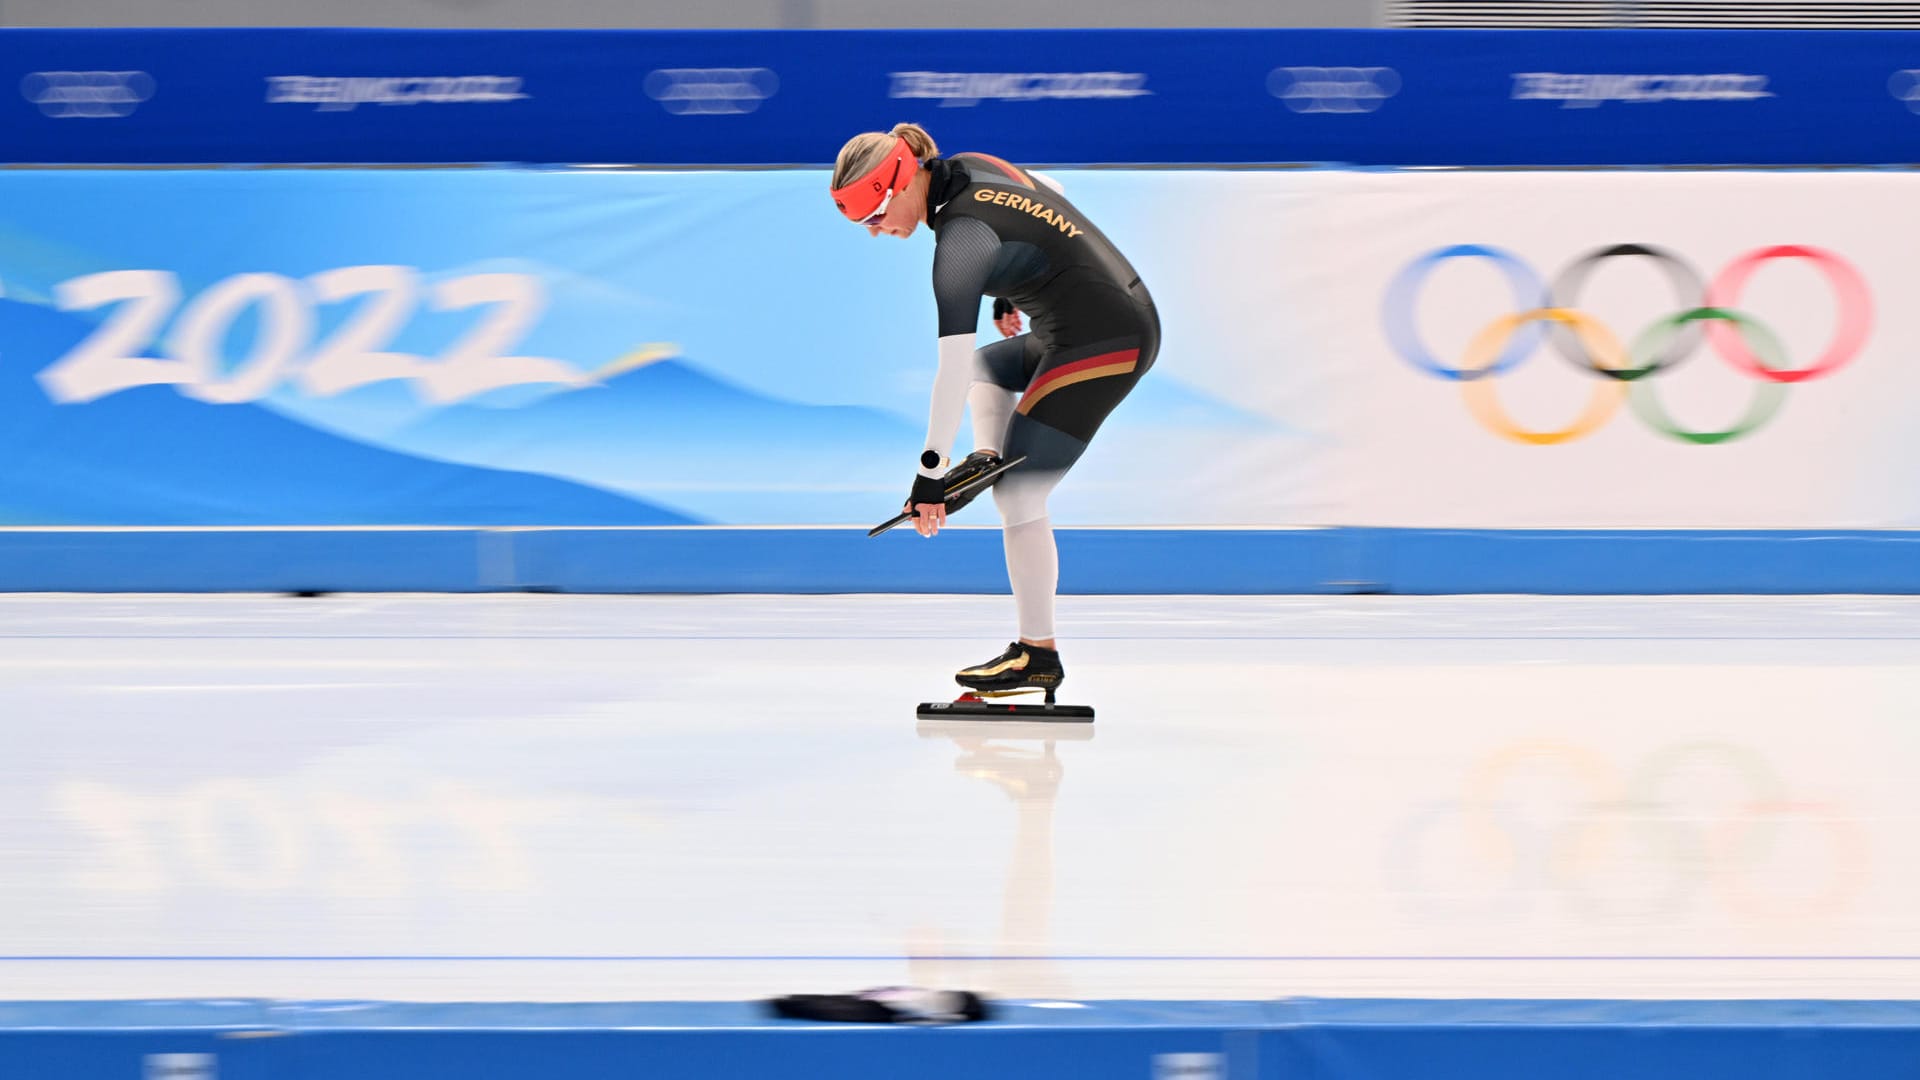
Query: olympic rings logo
x,y
1629,847
1543,311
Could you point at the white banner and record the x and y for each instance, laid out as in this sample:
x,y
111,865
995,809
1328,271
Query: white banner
x,y
1612,349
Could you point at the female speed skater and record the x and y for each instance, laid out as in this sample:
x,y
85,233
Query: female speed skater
x,y
1001,231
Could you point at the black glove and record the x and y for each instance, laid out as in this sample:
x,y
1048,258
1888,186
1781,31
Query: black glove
x,y
926,489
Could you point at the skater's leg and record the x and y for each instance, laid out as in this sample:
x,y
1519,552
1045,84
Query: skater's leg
x,y
1033,560
1070,394
1033,567
991,407
1000,372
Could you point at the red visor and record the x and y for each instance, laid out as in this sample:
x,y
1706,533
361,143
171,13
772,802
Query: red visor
x,y
867,197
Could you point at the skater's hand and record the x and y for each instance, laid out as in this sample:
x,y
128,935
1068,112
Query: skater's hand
x,y
1006,317
928,517
926,499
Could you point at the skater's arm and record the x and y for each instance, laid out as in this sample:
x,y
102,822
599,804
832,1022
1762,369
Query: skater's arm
x,y
962,260
950,384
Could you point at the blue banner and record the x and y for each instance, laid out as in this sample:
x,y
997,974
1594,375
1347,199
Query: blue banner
x,y
515,347
1417,97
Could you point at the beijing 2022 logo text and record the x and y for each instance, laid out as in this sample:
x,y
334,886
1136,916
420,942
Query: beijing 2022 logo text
x,y
1705,309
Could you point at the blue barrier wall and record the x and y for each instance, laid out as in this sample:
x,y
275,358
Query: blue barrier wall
x,y
1416,97
1300,1039
961,560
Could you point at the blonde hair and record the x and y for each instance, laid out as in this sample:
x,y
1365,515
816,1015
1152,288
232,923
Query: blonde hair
x,y
864,151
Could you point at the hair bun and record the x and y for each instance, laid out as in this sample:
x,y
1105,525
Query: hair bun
x,y
918,140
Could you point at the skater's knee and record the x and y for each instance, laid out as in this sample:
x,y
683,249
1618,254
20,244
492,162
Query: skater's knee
x,y
983,371
1021,498
1002,364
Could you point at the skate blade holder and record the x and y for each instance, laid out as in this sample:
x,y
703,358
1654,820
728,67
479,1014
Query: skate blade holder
x,y
987,705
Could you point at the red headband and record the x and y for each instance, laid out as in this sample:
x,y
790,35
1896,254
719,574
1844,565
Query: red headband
x,y
862,196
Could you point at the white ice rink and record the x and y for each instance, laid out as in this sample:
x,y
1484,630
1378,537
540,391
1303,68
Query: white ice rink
x,y
602,798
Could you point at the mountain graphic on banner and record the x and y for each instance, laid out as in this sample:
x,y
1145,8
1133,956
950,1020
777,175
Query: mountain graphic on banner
x,y
691,440
150,456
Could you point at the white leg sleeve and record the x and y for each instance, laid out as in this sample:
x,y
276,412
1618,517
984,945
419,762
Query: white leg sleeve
x,y
1033,562
1033,566
992,409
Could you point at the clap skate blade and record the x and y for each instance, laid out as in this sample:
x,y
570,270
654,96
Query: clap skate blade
x,y
984,705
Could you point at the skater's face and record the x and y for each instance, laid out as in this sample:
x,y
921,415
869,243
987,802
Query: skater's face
x,y
903,212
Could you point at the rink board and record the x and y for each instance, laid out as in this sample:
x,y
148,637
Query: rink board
x,y
1299,1039
962,560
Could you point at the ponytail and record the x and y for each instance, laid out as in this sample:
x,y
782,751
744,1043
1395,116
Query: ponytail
x,y
918,140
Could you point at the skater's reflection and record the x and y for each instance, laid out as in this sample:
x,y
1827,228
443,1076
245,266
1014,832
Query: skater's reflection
x,y
1020,760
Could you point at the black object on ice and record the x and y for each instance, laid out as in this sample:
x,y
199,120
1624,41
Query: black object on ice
x,y
886,1005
